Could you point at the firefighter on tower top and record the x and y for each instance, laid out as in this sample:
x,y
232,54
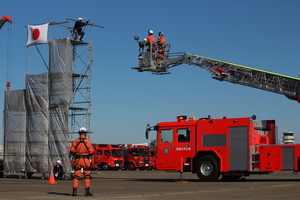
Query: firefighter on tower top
x,y
78,28
150,41
161,41
82,149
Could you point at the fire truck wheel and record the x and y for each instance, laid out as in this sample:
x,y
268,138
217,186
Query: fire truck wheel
x,y
207,168
104,166
131,166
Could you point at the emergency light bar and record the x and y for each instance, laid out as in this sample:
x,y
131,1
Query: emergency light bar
x,y
181,118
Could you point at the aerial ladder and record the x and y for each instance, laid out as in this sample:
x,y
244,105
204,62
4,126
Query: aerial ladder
x,y
220,70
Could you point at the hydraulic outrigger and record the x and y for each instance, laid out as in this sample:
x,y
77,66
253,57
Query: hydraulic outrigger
x,y
220,70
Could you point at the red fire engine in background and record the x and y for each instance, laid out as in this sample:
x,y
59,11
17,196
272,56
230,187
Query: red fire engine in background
x,y
138,157
107,156
153,157
233,147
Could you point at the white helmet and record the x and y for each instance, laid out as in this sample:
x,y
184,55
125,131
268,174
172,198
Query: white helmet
x,y
150,32
80,19
82,130
58,161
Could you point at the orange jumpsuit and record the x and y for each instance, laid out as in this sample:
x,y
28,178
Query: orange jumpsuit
x,y
161,48
82,148
151,42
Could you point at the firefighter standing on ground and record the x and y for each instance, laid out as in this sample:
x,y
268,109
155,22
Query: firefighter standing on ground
x,y
161,41
82,149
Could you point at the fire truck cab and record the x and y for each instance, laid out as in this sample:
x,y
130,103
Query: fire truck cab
x,y
138,157
107,156
232,147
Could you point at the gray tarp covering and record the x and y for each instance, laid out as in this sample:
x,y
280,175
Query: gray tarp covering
x,y
37,159
36,119
14,130
59,136
61,70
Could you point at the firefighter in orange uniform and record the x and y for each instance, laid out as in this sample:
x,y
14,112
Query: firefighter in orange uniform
x,y
82,149
150,41
161,41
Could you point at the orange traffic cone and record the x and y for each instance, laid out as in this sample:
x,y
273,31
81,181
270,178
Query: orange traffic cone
x,y
51,179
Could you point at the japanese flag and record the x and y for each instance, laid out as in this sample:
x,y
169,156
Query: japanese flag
x,y
37,34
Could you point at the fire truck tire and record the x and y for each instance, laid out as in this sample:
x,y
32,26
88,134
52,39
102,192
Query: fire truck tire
x,y
131,166
207,168
104,166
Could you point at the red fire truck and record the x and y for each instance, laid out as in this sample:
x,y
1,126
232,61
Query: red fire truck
x,y
231,147
107,156
153,158
138,157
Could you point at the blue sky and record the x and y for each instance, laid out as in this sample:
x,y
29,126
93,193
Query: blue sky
x,y
262,34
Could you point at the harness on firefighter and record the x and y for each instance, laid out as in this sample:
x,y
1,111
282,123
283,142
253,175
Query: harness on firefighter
x,y
81,141
81,156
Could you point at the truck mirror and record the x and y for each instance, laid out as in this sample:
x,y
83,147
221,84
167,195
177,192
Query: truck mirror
x,y
148,128
152,128
147,133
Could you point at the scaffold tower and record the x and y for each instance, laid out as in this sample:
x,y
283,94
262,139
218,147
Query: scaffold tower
x,y
51,108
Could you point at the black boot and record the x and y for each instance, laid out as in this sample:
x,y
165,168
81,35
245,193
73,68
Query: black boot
x,y
74,192
87,192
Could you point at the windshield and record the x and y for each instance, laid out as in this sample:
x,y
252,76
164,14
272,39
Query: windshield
x,y
144,152
116,153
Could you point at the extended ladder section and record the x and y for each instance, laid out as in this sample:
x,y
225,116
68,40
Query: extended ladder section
x,y
220,70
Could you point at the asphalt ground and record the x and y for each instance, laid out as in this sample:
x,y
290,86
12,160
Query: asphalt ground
x,y
154,185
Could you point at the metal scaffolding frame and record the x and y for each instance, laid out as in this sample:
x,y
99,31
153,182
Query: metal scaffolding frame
x,y
51,109
14,136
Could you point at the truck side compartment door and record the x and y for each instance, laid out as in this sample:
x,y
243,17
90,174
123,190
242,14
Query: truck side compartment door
x,y
184,147
166,150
